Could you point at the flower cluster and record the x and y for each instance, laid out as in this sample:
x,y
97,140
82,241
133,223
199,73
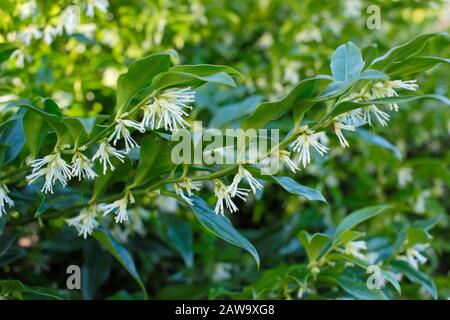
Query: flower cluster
x,y
348,121
224,195
119,207
167,110
4,199
86,221
306,139
185,189
68,21
413,255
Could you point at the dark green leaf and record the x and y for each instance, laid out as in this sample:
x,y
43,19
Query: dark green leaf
x,y
119,252
416,276
221,226
139,76
356,218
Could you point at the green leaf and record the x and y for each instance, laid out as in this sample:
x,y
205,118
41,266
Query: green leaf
x,y
119,252
269,111
379,141
12,137
180,237
6,50
139,76
314,244
221,226
122,172
417,236
82,127
49,111
96,268
415,65
154,159
337,88
387,275
293,187
234,111
404,51
416,276
346,62
347,236
356,218
15,288
359,289
194,76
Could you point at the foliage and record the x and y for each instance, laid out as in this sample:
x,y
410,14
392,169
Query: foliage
x,y
90,108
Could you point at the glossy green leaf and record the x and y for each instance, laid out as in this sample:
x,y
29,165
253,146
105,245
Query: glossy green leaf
x,y
154,159
415,65
12,137
356,218
140,75
416,276
290,185
119,252
387,275
16,289
404,51
194,76
121,173
417,236
269,111
379,141
180,236
346,62
358,288
314,244
221,226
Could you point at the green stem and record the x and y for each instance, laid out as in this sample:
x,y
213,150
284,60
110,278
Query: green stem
x,y
14,172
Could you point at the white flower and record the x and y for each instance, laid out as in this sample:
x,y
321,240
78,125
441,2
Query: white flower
x,y
338,127
121,131
353,248
304,141
404,176
86,221
53,167
387,89
223,194
354,117
70,18
4,199
50,33
282,156
27,9
381,116
243,173
101,5
188,185
167,109
82,167
105,150
120,206
285,157
414,257
28,34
